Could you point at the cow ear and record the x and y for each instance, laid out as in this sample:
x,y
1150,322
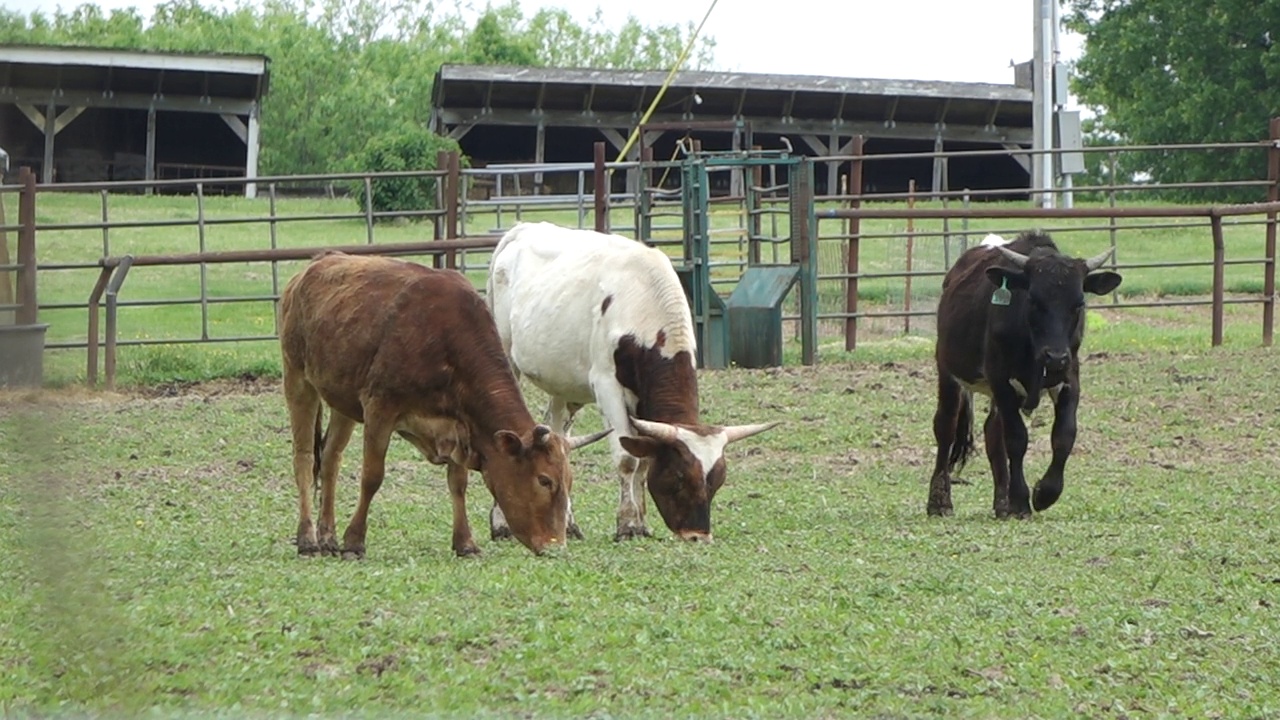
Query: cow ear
x,y
1007,277
1101,283
639,446
509,442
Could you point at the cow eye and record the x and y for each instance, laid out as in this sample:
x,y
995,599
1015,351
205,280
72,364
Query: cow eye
x,y
545,481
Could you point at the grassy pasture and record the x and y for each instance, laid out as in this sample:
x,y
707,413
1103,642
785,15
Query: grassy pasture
x,y
149,566
1179,241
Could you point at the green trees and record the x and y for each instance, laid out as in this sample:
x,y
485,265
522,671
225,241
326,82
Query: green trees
x,y
344,72
1177,71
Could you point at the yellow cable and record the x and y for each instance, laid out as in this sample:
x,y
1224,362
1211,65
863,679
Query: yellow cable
x,y
663,89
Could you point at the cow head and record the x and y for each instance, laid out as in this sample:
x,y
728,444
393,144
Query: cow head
x,y
686,468
530,479
1055,285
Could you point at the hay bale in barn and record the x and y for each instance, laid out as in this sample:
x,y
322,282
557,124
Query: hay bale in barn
x,y
129,166
81,165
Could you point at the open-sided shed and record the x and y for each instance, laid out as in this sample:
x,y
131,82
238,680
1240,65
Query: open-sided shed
x,y
86,114
508,114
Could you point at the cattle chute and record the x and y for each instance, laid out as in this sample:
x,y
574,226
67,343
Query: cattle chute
x,y
744,329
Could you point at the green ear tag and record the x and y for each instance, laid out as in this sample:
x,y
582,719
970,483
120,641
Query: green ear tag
x,y
1002,295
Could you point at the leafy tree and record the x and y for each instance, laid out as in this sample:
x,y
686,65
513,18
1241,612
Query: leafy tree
x,y
1177,71
410,148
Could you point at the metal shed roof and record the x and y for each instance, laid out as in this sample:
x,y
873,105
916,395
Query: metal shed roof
x,y
503,95
105,77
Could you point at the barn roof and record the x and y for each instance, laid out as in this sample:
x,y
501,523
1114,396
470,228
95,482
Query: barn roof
x,y
502,95
108,77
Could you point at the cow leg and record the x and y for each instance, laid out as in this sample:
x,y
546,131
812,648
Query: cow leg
x,y
1063,439
560,415
945,417
1015,446
377,437
993,435
463,544
304,406
336,439
631,499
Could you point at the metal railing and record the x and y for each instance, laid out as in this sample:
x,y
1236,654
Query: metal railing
x,y
761,212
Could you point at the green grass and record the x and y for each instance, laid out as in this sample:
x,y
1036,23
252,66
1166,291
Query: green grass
x,y
149,566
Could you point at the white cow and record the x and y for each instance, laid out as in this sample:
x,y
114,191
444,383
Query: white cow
x,y
600,318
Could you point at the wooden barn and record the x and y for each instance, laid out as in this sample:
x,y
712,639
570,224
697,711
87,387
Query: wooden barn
x,y
514,114
78,114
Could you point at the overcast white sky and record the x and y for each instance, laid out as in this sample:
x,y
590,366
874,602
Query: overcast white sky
x,y
903,39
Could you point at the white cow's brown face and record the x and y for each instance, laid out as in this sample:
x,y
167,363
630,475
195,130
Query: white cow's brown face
x,y
686,468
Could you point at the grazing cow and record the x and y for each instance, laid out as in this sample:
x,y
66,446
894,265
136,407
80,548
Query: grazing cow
x,y
600,318
410,350
1010,322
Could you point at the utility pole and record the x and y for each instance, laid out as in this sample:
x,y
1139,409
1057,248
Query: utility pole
x,y
1045,27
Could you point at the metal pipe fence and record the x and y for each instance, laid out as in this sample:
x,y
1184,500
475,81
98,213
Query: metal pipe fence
x,y
472,205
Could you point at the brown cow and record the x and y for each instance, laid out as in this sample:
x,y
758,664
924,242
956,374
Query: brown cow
x,y
1010,323
410,350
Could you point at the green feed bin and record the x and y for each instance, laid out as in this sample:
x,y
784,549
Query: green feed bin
x,y
22,355
755,315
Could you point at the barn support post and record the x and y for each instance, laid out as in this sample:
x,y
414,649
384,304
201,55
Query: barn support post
x,y
1269,268
251,146
151,149
600,188
1219,283
539,155
50,132
851,254
938,182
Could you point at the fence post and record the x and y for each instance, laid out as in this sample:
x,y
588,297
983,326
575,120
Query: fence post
x,y
1111,221
28,312
1269,268
855,231
601,188
451,207
910,249
1219,255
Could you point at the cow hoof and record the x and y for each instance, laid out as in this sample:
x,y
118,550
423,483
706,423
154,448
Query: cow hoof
x,y
575,532
467,551
353,554
629,533
500,533
941,511
308,549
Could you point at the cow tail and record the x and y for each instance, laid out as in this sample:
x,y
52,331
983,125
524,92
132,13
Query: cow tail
x,y
320,438
962,446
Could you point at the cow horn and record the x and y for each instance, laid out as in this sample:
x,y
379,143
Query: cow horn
x,y
656,430
578,441
540,434
738,432
1096,261
1018,258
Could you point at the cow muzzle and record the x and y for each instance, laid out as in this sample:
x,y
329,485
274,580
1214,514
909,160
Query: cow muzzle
x,y
552,547
1056,361
695,536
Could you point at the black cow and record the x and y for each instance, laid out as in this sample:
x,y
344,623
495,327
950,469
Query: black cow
x,y
1010,322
